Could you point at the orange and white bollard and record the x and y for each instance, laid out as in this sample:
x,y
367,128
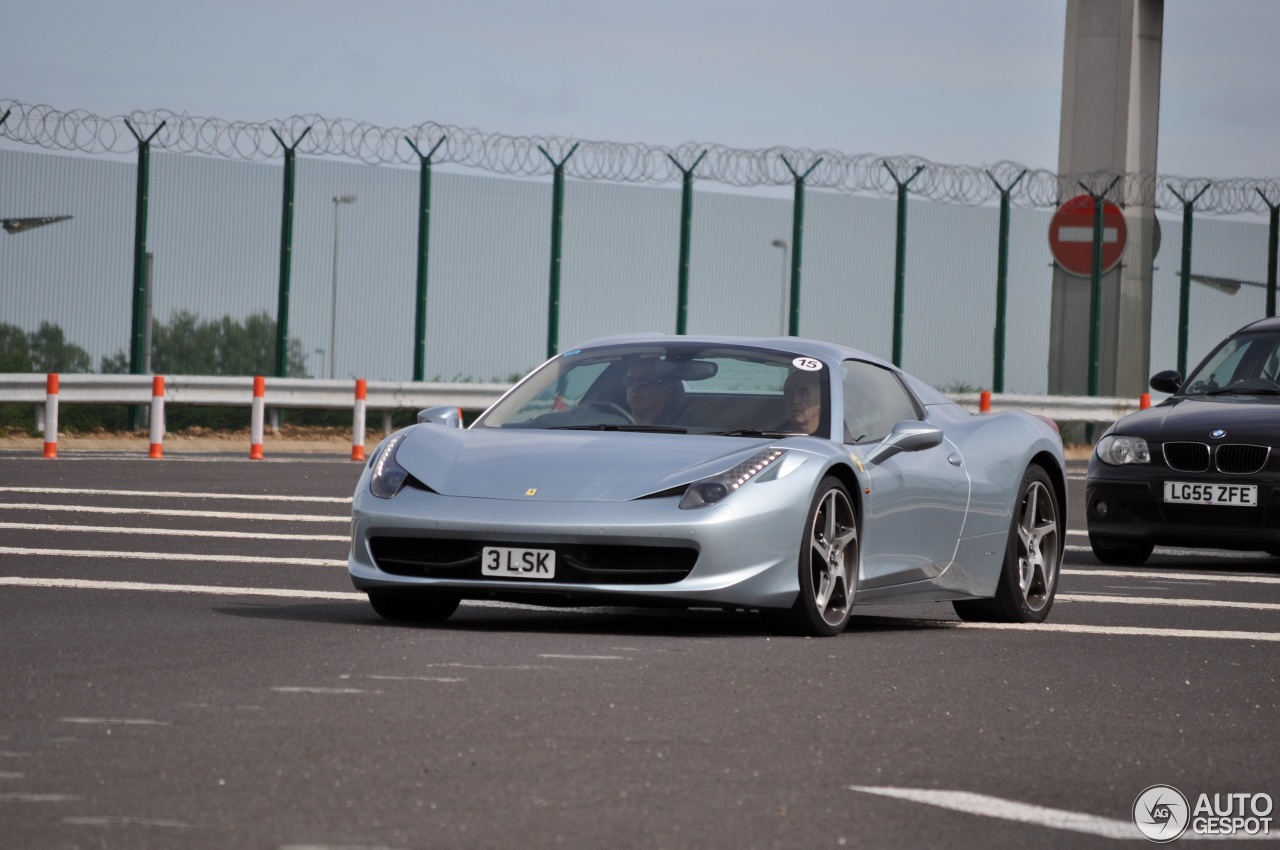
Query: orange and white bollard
x,y
984,401
357,420
51,415
157,417
1144,401
255,417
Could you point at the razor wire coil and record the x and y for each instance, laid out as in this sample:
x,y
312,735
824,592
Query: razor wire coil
x,y
83,132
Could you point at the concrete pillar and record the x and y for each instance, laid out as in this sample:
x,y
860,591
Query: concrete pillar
x,y
1110,121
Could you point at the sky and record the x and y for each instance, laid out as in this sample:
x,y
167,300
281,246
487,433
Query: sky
x,y
966,83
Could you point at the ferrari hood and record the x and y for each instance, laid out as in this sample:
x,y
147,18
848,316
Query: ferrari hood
x,y
568,466
1245,419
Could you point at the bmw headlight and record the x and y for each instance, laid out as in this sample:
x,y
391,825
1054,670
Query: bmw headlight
x,y
710,491
388,476
1117,451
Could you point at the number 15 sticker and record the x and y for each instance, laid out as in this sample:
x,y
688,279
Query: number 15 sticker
x,y
807,364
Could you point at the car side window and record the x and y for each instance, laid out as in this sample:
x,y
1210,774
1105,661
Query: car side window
x,y
874,401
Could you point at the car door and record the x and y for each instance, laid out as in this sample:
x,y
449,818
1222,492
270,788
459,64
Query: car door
x,y
915,509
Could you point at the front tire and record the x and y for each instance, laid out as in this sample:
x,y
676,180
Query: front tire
x,y
414,606
1118,554
828,566
1032,558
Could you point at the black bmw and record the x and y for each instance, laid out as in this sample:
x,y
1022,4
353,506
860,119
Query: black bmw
x,y
1202,467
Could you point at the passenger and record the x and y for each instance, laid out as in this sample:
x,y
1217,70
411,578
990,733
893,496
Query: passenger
x,y
802,398
655,395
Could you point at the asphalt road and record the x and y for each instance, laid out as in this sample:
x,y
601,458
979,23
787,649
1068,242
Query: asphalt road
x,y
185,665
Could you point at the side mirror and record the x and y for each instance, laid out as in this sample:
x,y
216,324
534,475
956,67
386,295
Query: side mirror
x,y
909,435
1167,381
450,417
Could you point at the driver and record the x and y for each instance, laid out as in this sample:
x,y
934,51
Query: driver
x,y
802,400
654,394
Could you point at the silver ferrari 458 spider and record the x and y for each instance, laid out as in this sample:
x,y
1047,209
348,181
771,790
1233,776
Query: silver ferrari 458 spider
x,y
793,477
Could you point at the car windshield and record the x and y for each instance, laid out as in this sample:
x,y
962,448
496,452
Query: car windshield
x,y
1245,363
676,387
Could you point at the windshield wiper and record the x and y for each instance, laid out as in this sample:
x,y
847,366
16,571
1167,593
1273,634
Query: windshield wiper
x,y
1244,391
648,429
752,432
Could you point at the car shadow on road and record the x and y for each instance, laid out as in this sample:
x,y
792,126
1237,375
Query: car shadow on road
x,y
490,618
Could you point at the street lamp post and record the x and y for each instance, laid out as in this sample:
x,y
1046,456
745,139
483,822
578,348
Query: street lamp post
x,y
338,201
786,306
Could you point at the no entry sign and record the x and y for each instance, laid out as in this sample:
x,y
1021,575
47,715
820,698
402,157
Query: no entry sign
x,y
1071,235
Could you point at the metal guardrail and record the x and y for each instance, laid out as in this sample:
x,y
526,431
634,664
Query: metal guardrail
x,y
238,392
388,396
1093,409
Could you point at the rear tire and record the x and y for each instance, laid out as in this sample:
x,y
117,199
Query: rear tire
x,y
1113,552
828,566
1032,558
414,606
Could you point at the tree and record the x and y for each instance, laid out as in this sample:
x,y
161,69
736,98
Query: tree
x,y
43,350
50,351
188,345
15,353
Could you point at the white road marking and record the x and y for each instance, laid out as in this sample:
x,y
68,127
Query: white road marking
x,y
212,590
285,593
171,532
177,494
124,820
302,690
114,721
1176,576
1127,631
587,657
415,679
1182,603
171,556
19,797
334,847
4,774
95,509
995,807
1199,553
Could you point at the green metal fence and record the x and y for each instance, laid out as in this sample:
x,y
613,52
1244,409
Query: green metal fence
x,y
232,221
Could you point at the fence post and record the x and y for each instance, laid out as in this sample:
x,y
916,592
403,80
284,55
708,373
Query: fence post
x,y
900,261
1184,289
1273,245
1095,284
138,326
255,417
686,224
424,235
357,420
286,255
557,214
797,233
51,415
157,417
1002,281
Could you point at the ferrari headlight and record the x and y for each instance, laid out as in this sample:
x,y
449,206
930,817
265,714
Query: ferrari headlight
x,y
1118,451
388,476
711,490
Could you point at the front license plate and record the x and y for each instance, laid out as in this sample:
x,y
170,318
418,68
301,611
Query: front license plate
x,y
1239,495
505,562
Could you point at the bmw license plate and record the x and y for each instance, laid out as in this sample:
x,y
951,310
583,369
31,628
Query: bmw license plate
x,y
1238,495
506,562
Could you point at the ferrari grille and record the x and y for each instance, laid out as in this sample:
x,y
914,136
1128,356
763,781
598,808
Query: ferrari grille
x,y
429,557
